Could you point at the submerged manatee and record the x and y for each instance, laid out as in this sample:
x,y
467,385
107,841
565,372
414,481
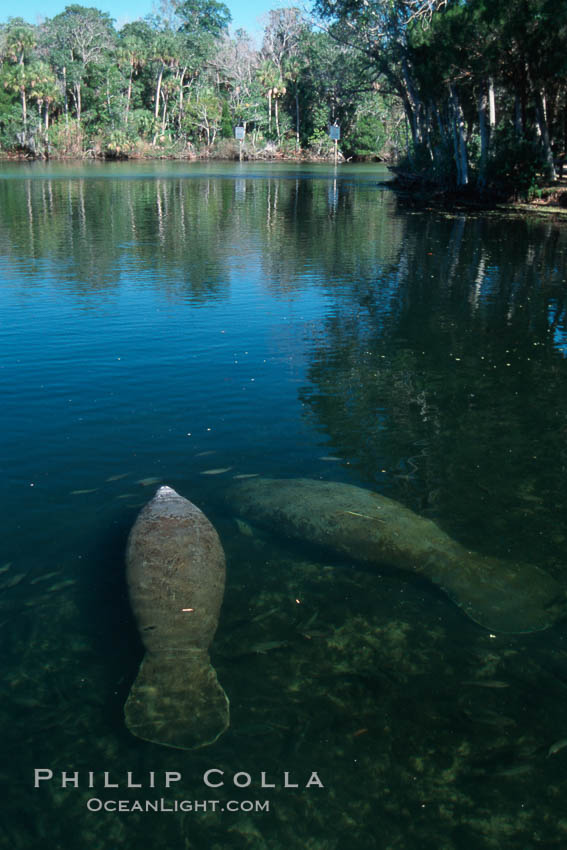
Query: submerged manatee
x,y
500,595
175,573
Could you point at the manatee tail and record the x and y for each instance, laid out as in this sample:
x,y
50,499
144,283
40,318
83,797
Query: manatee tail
x,y
177,701
502,596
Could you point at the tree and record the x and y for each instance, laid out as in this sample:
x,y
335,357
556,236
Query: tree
x,y
19,42
269,77
79,37
203,17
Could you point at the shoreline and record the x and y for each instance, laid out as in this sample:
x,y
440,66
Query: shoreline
x,y
415,193
425,194
260,156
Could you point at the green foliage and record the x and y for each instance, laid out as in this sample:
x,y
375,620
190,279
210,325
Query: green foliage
x,y
516,165
204,16
10,125
226,129
66,138
178,77
117,144
321,144
141,123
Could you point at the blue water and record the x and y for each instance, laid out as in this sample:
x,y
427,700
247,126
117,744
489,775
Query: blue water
x,y
187,324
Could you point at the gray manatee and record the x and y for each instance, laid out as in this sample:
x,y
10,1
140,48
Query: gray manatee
x,y
175,573
500,595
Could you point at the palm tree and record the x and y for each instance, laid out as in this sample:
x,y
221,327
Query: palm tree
x,y
292,71
20,41
131,52
268,76
43,89
278,92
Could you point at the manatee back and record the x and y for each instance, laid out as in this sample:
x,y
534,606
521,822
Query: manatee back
x,y
175,569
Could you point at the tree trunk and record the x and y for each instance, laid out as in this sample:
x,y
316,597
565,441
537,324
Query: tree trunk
x,y
269,110
77,97
65,100
129,94
443,132
277,119
164,115
24,107
296,118
491,105
181,96
544,131
158,90
157,96
459,142
518,122
415,105
108,100
484,129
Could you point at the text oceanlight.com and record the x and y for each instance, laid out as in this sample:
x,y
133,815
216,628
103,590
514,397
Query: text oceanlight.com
x,y
94,804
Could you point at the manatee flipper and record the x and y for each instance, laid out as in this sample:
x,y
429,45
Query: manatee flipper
x,y
500,595
177,701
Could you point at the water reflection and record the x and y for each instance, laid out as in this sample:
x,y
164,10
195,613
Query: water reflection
x,y
190,233
441,376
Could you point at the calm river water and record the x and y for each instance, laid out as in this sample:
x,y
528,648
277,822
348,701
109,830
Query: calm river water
x,y
190,324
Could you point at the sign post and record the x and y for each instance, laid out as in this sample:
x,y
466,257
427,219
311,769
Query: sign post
x,y
335,134
239,133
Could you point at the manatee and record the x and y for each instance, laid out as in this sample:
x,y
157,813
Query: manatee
x,y
175,569
502,596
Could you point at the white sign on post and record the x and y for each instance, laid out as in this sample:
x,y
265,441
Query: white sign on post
x,y
239,133
335,132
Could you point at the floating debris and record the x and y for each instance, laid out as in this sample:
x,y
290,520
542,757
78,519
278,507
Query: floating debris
x,y
147,482
260,648
205,454
60,585
45,577
488,683
118,477
364,516
331,458
244,528
264,615
515,770
557,747
5,567
127,496
216,471
12,581
83,492
268,646
246,475
492,718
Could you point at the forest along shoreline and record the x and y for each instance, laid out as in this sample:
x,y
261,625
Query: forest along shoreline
x,y
466,102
